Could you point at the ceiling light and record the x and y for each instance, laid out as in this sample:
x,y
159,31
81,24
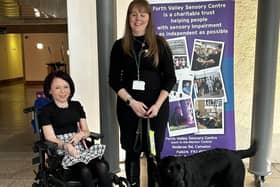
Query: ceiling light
x,y
40,46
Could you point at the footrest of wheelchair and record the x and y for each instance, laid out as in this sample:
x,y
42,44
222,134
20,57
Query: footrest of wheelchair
x,y
120,181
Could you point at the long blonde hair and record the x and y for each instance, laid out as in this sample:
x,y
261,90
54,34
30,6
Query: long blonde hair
x,y
150,35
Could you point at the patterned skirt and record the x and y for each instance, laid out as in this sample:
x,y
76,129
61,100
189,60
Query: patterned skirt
x,y
86,154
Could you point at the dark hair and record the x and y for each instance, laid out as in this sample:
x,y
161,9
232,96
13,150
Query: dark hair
x,y
58,74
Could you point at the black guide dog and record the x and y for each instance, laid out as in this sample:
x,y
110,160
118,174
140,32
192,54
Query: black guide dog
x,y
212,168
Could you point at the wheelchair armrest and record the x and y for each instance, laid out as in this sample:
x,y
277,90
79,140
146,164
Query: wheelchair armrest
x,y
46,146
29,109
95,136
92,137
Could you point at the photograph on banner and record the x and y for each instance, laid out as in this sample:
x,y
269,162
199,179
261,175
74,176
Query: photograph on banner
x,y
181,117
180,62
209,84
209,115
183,86
174,91
206,54
180,54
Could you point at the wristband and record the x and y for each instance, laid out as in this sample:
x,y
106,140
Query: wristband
x,y
128,101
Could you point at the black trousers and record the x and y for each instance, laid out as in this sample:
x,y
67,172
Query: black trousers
x,y
128,122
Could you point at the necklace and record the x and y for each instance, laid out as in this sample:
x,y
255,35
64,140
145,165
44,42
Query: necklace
x,y
140,42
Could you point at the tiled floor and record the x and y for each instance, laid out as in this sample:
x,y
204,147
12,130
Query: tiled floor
x,y
16,139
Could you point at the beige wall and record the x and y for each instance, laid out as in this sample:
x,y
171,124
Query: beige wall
x,y
10,56
82,32
244,50
35,60
121,15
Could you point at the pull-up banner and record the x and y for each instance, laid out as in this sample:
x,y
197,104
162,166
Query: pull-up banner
x,y
200,35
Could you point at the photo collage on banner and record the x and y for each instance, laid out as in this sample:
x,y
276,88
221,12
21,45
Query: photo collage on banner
x,y
200,36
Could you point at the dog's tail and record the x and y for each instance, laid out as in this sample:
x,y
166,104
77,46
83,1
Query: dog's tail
x,y
248,152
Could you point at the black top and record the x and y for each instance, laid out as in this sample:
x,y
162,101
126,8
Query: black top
x,y
123,69
63,120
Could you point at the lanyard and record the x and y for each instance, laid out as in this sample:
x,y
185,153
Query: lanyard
x,y
138,61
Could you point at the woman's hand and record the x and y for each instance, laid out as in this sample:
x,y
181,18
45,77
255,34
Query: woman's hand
x,y
71,150
76,138
153,111
139,108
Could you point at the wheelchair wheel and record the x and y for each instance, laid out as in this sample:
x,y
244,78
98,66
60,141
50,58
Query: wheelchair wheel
x,y
35,185
120,181
40,184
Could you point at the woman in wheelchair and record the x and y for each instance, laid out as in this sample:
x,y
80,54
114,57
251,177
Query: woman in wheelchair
x,y
64,122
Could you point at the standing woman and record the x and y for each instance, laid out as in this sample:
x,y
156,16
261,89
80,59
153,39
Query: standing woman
x,y
142,75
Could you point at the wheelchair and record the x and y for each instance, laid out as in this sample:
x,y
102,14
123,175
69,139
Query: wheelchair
x,y
50,172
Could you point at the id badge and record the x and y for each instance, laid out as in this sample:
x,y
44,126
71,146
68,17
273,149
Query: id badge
x,y
138,85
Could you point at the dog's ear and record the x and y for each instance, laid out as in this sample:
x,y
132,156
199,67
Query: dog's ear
x,y
188,176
